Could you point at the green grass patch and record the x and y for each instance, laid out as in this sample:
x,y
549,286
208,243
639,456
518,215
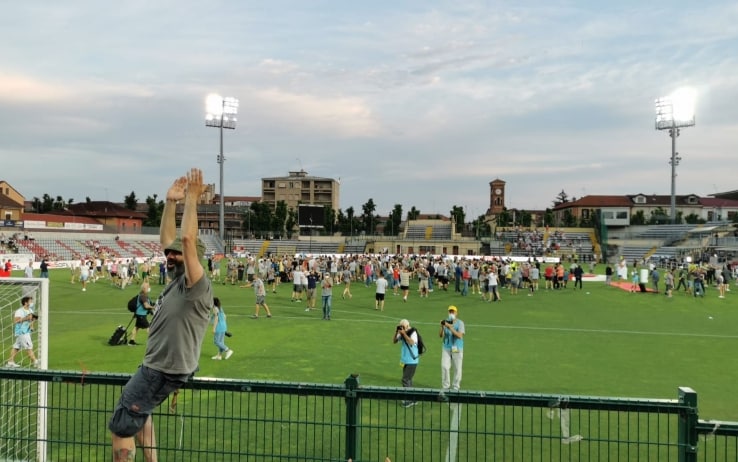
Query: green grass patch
x,y
599,341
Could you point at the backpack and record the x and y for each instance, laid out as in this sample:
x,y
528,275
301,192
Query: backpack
x,y
421,345
133,304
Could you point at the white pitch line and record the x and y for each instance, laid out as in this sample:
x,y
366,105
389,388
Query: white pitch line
x,y
386,318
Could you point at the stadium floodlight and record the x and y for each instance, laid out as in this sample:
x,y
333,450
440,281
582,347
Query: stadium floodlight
x,y
221,112
672,113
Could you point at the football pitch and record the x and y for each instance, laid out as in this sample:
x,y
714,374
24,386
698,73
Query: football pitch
x,y
599,341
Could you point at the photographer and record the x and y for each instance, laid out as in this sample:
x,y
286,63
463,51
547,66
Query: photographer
x,y
23,320
452,354
409,357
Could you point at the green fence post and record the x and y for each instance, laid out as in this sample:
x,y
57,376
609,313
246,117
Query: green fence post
x,y
352,416
688,425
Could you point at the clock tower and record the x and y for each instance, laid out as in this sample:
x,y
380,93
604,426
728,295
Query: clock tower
x,y
496,197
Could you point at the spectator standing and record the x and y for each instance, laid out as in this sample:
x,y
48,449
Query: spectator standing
x,y
409,354
23,320
260,292
28,271
381,284
452,353
326,287
220,327
144,308
44,269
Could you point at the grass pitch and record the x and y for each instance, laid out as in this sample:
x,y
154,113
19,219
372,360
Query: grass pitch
x,y
599,341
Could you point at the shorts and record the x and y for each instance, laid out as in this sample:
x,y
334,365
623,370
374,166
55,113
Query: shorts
x,y
142,322
297,288
23,342
147,389
404,287
379,297
261,300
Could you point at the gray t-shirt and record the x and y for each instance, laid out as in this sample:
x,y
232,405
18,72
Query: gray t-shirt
x,y
178,327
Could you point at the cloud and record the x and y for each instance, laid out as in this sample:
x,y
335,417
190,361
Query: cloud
x,y
331,116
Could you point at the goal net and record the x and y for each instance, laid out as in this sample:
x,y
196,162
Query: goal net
x,y
23,401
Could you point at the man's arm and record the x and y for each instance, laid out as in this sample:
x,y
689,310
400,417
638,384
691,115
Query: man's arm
x,y
193,268
168,227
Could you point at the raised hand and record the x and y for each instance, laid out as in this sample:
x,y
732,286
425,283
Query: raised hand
x,y
176,191
195,185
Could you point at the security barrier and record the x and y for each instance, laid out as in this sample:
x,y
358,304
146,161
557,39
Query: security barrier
x,y
241,420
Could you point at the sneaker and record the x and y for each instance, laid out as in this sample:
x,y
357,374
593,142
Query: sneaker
x,y
307,309
407,404
132,342
229,353
269,316
253,316
12,364
84,290
217,357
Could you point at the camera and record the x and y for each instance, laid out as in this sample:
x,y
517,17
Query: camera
x,y
34,315
443,322
399,328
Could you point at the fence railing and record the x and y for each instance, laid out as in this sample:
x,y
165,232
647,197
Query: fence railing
x,y
241,420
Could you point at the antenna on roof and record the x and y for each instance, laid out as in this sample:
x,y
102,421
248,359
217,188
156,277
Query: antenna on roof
x,y
300,162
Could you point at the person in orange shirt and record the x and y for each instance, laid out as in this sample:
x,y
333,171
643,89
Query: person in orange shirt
x,y
559,276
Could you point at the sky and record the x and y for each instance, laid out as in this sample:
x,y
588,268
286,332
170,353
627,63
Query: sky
x,y
418,103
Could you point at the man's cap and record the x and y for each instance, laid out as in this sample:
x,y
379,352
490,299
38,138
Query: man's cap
x,y
176,246
452,308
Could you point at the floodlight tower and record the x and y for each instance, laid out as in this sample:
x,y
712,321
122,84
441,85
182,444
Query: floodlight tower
x,y
221,112
672,113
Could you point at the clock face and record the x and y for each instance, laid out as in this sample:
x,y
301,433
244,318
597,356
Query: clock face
x,y
498,191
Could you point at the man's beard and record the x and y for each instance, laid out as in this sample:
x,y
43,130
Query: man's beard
x,y
177,269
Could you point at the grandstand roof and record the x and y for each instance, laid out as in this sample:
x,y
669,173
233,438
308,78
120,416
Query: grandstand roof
x,y
597,201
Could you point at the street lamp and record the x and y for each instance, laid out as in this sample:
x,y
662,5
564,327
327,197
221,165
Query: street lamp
x,y
221,112
672,113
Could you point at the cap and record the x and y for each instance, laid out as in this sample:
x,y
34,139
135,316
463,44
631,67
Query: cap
x,y
176,245
452,308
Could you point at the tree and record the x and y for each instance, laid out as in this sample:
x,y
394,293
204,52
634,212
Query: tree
x,y
261,220
413,214
368,219
569,219
693,219
155,210
130,202
279,219
290,222
504,218
548,217
481,227
329,216
392,227
457,213
525,218
561,198
638,218
659,217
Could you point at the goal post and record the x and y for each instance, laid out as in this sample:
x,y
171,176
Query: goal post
x,y
23,403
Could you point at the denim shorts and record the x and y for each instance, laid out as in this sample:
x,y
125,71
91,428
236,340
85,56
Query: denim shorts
x,y
146,390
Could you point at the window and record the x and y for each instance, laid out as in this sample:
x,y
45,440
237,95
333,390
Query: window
x,y
639,200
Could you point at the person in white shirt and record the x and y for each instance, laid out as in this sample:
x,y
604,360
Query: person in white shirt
x,y
381,283
29,269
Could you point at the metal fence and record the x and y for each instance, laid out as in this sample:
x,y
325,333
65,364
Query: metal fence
x,y
241,420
